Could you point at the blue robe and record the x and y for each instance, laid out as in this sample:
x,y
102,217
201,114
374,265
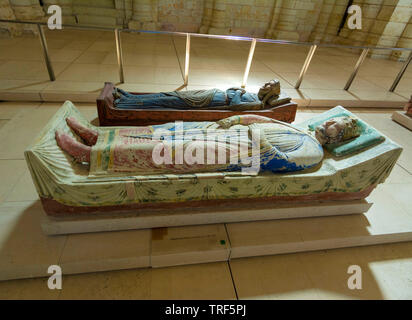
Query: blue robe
x,y
196,99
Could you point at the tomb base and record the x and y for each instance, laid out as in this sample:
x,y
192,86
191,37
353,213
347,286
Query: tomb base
x,y
403,119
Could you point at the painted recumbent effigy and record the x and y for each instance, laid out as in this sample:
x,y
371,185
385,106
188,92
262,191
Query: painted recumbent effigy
x,y
118,107
117,172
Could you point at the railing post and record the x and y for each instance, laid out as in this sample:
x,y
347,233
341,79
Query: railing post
x,y
46,53
357,66
401,72
249,62
187,59
119,54
306,65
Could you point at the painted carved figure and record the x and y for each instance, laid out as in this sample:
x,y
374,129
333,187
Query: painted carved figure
x,y
102,169
231,144
237,99
336,130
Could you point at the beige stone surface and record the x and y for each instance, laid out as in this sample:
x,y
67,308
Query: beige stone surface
x,y
19,132
385,23
324,274
27,289
23,190
10,109
102,251
189,245
25,251
2,123
83,60
386,268
10,172
271,237
205,281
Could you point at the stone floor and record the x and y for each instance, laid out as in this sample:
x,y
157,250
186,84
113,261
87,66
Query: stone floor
x,y
386,269
83,60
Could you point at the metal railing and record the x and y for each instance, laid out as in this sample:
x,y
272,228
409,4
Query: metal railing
x,y
311,53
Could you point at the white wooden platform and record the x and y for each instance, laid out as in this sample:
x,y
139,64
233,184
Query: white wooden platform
x,y
401,118
187,217
25,251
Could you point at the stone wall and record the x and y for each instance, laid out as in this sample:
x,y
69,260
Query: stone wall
x,y
385,22
6,12
28,10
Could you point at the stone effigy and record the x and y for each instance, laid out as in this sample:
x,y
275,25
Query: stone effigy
x,y
349,170
232,144
235,99
118,107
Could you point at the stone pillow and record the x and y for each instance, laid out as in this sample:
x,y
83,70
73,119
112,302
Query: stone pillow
x,y
353,139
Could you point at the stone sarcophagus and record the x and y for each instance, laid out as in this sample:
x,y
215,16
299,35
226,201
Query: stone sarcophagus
x,y
347,172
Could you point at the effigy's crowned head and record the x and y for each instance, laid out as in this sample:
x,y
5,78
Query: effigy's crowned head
x,y
272,87
337,130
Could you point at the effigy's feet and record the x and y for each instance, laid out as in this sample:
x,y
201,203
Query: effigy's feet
x,y
79,151
88,135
